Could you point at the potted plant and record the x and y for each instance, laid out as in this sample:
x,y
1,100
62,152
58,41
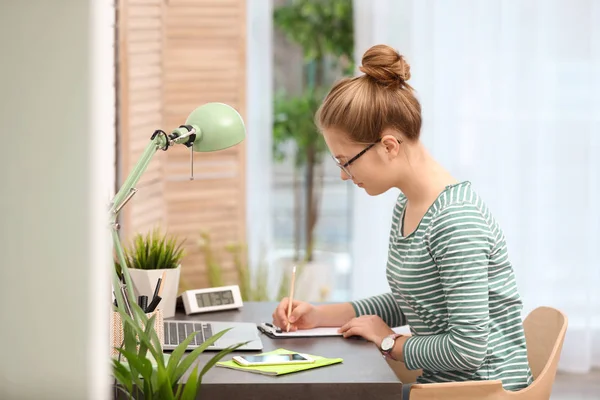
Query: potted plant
x,y
141,368
154,264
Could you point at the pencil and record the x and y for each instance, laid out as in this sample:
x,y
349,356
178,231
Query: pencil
x,y
291,298
162,283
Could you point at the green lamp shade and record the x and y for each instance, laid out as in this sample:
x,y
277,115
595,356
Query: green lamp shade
x,y
220,126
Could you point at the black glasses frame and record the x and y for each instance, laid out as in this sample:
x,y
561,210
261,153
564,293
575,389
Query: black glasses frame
x,y
344,167
356,157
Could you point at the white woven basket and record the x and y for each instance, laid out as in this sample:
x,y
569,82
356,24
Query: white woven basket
x,y
116,330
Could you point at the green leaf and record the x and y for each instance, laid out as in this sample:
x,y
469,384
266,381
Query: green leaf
x,y
218,357
185,364
191,386
129,344
164,385
161,379
179,389
130,325
129,340
122,375
150,334
128,393
148,328
294,122
136,365
323,27
178,353
148,388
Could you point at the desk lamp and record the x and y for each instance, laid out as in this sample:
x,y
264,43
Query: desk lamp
x,y
210,127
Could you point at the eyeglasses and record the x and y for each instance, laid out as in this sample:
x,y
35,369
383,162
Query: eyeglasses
x,y
344,166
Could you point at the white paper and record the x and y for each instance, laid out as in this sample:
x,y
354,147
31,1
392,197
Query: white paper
x,y
304,332
312,332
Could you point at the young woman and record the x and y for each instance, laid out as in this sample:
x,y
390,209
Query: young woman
x,y
448,268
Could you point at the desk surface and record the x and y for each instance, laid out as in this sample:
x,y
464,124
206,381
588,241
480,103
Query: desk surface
x,y
363,374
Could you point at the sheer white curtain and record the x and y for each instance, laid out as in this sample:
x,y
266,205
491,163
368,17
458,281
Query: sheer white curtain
x,y
259,120
510,92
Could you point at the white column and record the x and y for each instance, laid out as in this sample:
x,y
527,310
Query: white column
x,y
103,173
259,128
56,85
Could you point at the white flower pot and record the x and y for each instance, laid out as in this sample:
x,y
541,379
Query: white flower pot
x,y
144,283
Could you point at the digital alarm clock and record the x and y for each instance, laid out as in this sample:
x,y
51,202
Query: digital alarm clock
x,y
212,299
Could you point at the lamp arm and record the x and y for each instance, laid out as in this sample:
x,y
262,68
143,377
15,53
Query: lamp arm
x,y
157,142
124,270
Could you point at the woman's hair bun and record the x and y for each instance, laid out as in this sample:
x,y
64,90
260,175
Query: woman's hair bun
x,y
385,65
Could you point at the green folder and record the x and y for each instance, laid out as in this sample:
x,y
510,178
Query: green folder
x,y
276,370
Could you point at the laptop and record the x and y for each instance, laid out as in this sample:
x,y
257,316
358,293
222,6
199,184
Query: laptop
x,y
176,331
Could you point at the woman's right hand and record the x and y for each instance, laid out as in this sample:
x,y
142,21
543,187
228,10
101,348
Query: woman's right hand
x,y
304,315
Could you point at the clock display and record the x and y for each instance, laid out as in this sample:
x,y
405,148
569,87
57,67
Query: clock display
x,y
214,298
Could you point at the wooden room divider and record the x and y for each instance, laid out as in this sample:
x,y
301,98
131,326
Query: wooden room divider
x,y
173,56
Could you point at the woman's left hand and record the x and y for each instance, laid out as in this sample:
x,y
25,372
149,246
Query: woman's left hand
x,y
370,327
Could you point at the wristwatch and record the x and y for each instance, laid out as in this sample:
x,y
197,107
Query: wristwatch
x,y
387,344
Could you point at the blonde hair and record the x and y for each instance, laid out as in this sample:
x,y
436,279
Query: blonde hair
x,y
364,106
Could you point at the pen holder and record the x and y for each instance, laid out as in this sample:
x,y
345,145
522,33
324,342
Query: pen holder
x,y
116,331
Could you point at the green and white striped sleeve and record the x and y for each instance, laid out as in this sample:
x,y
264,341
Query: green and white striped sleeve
x,y
460,242
384,306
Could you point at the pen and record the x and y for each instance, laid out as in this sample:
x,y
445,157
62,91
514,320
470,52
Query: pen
x,y
156,288
143,302
153,304
291,298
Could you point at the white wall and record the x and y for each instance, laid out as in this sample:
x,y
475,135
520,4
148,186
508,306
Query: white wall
x,y
56,118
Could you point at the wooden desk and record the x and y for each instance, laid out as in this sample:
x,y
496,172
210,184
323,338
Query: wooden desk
x,y
364,374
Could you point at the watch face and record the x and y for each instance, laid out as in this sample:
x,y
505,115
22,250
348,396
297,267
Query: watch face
x,y
387,344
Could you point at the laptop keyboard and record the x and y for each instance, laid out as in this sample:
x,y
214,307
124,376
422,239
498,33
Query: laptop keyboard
x,y
177,331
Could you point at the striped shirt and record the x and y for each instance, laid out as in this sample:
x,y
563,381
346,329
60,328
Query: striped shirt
x,y
452,282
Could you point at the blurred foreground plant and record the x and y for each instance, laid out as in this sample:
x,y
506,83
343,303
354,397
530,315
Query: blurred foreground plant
x,y
142,368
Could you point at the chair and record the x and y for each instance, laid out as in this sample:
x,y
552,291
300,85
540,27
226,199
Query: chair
x,y
545,329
